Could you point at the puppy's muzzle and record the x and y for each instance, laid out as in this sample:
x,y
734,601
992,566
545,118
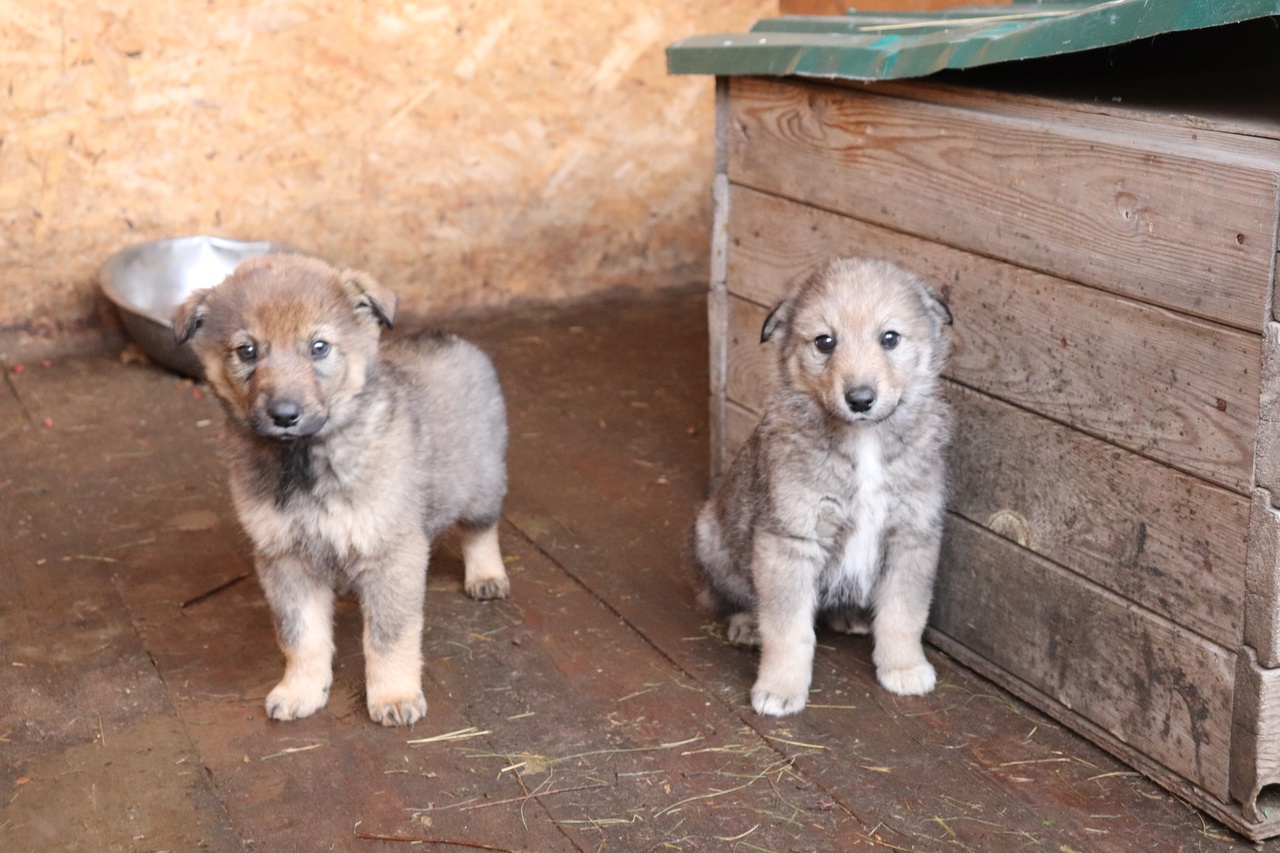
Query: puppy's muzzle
x,y
860,399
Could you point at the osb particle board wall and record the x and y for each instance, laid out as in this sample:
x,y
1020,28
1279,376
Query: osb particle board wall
x,y
466,153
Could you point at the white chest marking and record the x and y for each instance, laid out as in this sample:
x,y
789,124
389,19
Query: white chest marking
x,y
860,562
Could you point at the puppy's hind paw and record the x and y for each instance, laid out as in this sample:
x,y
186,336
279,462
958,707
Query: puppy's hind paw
x,y
292,701
848,621
394,711
484,572
488,588
908,681
743,630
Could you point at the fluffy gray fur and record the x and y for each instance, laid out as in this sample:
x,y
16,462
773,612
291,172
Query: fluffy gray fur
x,y
835,503
346,461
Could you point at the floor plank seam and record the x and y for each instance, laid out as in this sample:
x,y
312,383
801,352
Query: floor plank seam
x,y
752,724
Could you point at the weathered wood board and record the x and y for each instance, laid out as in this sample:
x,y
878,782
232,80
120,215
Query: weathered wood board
x,y
1152,685
1174,388
1066,199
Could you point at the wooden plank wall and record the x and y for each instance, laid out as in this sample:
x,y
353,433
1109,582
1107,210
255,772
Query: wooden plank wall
x,y
1073,199
1108,407
467,154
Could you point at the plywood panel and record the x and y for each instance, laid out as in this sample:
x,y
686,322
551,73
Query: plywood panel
x,y
466,154
1188,227
1153,686
1173,388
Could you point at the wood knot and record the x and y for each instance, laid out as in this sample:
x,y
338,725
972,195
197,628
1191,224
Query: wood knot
x,y
1011,525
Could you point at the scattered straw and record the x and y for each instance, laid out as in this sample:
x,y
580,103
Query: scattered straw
x,y
599,821
460,804
766,773
541,763
150,540
290,751
535,795
795,742
460,734
875,840
738,837
750,846
415,839
731,748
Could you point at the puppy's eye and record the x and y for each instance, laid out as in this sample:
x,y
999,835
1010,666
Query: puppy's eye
x,y
320,349
889,340
824,343
247,352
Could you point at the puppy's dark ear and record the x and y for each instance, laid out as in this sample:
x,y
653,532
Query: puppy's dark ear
x,y
367,295
190,315
936,306
778,319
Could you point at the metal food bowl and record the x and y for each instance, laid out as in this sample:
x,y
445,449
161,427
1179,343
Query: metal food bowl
x,y
147,283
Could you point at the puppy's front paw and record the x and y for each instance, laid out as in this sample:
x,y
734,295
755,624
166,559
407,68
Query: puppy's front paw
x,y
397,710
488,588
295,699
780,693
769,703
909,681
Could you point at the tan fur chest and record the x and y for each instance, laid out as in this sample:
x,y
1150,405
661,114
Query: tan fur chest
x,y
349,530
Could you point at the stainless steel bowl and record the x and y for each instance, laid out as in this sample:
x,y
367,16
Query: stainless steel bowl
x,y
147,283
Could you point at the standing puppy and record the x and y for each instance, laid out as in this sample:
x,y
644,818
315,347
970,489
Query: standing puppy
x,y
835,503
346,464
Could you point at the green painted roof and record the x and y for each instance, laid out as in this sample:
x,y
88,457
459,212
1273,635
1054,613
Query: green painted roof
x,y
882,46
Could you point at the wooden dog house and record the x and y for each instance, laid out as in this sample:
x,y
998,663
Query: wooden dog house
x,y
1104,226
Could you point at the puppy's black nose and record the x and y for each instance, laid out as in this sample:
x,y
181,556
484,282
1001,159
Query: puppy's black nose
x,y
285,413
860,399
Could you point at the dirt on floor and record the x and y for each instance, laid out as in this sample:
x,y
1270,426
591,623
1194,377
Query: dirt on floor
x,y
596,709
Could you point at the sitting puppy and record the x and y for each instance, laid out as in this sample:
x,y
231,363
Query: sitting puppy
x,y
835,503
346,464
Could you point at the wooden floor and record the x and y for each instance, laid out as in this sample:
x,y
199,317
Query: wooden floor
x,y
594,710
